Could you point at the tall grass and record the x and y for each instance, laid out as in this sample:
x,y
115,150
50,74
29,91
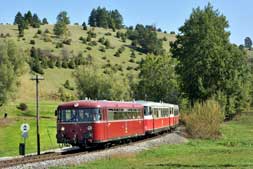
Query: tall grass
x,y
204,120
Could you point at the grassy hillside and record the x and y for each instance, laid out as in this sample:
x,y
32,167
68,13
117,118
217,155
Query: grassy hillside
x,y
55,77
233,150
10,134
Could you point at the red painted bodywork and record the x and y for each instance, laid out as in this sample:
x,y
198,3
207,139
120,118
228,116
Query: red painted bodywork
x,y
103,130
106,130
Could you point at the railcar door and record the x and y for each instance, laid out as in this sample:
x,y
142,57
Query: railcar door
x,y
105,119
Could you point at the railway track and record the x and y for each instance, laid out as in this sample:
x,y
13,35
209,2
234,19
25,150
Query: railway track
x,y
65,154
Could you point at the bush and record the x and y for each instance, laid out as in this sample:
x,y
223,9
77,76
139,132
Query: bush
x,y
88,48
67,41
101,40
67,85
22,107
35,36
64,96
39,31
32,42
47,38
92,34
102,49
129,68
108,34
117,54
46,31
93,43
107,44
59,45
131,60
204,120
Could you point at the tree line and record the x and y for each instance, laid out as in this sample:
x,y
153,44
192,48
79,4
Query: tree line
x,y
26,20
202,64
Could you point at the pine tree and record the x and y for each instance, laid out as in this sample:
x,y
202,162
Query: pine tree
x,y
84,26
28,17
44,21
35,21
247,42
18,18
21,28
92,18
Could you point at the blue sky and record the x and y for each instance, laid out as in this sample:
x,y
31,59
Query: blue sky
x,y
166,14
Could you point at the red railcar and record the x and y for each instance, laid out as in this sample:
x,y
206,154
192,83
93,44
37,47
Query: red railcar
x,y
86,122
159,116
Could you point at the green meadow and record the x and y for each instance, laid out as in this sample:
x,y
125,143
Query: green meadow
x,y
233,150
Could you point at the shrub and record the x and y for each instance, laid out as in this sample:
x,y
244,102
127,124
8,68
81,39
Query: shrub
x,y
88,38
117,54
67,85
93,43
104,57
59,45
83,39
39,31
107,44
32,42
92,34
46,31
123,38
22,107
47,38
108,34
35,36
131,60
129,68
101,40
67,41
102,49
173,32
64,96
121,49
88,48
204,120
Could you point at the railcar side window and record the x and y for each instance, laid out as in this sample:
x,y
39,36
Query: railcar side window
x,y
176,112
124,114
146,111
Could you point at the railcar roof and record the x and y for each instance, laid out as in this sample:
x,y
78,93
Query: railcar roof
x,y
156,104
100,103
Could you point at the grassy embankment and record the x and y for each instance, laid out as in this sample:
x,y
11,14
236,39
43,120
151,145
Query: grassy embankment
x,y
233,150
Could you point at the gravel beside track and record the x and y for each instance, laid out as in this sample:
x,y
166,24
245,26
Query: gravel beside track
x,y
79,158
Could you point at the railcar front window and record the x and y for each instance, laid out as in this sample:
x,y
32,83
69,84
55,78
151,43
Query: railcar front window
x,y
80,115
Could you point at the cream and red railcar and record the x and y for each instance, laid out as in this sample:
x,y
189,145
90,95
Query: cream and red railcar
x,y
87,122
159,116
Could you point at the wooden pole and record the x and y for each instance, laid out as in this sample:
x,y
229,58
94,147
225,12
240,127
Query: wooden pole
x,y
37,79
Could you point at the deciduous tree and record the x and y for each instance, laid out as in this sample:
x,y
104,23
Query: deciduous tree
x,y
208,64
11,67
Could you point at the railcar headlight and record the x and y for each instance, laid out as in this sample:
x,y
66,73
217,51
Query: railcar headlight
x,y
62,128
89,128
